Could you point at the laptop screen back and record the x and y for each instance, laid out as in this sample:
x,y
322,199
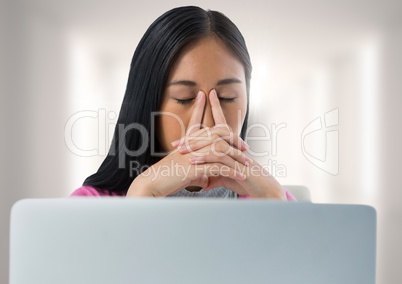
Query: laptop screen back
x,y
171,241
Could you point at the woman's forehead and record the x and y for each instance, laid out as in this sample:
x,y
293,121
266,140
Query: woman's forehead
x,y
208,56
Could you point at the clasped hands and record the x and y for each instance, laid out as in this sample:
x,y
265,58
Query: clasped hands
x,y
207,157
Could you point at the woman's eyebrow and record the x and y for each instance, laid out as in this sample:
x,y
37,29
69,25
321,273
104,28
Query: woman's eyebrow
x,y
189,83
228,81
183,82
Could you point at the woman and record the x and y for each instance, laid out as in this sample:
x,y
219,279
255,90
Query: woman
x,y
183,119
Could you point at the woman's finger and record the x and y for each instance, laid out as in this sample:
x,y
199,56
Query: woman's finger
x,y
218,169
217,112
206,136
196,117
233,158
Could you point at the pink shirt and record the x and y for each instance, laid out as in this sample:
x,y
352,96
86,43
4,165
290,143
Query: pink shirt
x,y
87,190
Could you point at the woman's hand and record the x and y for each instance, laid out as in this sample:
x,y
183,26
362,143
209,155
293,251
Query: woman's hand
x,y
213,157
208,158
219,139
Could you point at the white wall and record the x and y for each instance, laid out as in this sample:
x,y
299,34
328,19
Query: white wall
x,y
309,58
390,189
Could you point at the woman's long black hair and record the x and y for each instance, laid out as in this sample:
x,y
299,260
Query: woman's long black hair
x,y
149,70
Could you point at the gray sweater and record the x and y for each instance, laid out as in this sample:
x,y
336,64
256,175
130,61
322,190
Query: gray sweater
x,y
218,192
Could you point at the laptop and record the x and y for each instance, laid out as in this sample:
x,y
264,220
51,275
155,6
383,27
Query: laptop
x,y
173,241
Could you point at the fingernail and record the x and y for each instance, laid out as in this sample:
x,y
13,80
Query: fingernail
x,y
240,175
196,160
199,94
247,161
246,145
175,143
182,149
213,91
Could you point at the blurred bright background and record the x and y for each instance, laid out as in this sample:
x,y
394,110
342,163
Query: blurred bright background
x,y
326,84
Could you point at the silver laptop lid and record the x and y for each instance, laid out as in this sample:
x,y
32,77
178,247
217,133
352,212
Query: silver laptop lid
x,y
172,241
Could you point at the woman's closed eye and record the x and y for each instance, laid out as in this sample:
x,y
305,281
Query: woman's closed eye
x,y
184,101
227,100
188,101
